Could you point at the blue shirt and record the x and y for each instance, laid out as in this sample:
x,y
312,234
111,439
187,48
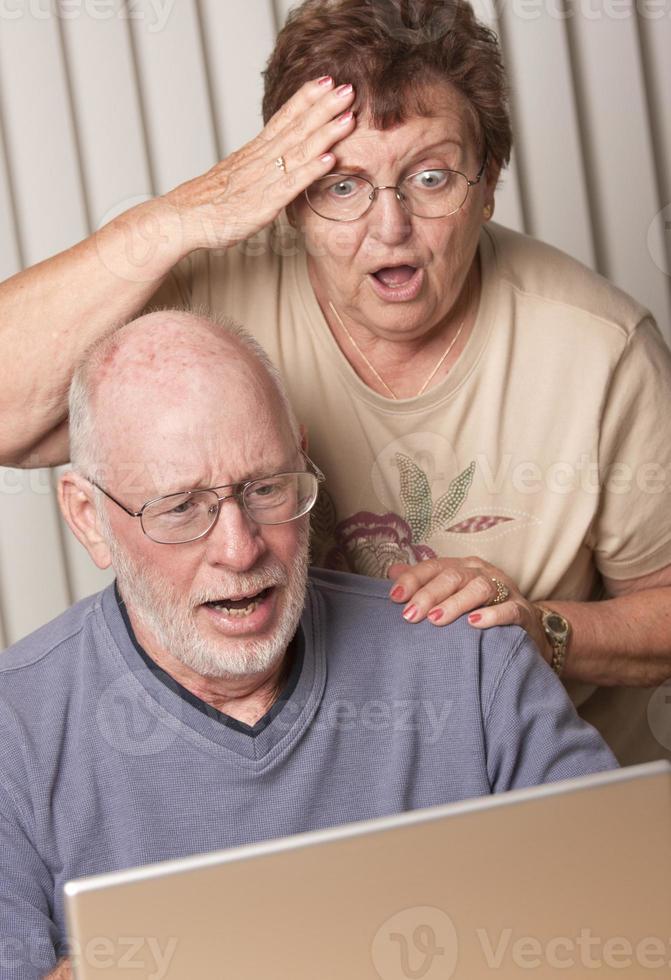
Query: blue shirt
x,y
106,764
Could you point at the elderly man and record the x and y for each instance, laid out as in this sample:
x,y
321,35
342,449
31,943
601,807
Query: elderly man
x,y
218,695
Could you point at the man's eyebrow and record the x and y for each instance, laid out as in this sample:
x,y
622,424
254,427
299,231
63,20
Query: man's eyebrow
x,y
286,466
170,490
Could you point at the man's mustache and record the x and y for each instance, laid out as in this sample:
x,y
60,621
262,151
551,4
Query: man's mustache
x,y
243,583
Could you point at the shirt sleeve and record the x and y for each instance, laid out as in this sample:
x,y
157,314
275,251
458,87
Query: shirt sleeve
x,y
631,535
28,937
533,733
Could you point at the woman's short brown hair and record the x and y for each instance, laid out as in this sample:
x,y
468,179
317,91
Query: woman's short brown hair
x,y
391,51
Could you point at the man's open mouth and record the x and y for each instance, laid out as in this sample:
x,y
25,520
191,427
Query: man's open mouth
x,y
241,606
395,276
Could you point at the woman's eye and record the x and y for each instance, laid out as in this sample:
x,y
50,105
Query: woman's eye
x,y
431,179
344,188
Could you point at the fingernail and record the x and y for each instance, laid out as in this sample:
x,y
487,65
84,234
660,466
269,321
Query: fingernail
x,y
345,118
343,90
325,80
327,157
474,618
409,613
397,592
435,615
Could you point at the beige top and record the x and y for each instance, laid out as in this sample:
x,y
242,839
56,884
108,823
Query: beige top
x,y
546,450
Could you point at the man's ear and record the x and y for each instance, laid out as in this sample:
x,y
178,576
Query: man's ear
x,y
304,437
76,501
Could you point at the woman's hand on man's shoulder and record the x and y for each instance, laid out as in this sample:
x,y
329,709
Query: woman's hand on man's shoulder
x,y
443,589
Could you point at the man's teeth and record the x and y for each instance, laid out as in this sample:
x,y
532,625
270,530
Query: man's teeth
x,y
239,608
237,612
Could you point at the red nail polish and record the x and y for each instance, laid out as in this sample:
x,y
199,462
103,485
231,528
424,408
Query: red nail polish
x,y
409,613
397,592
343,90
325,80
474,618
345,118
435,615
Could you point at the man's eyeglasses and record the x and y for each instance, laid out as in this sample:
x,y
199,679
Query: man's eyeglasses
x,y
426,194
177,518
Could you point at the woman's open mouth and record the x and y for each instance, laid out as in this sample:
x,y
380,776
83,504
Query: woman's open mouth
x,y
397,283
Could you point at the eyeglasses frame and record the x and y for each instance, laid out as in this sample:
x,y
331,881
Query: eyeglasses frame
x,y
397,188
238,490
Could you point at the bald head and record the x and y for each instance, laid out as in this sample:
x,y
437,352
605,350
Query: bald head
x,y
171,377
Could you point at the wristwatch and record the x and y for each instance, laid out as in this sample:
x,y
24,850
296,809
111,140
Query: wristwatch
x,y
558,631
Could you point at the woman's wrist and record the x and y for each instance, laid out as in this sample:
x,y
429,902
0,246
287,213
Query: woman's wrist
x,y
557,631
619,641
144,243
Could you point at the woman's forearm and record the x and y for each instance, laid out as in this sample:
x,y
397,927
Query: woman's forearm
x,y
51,312
622,641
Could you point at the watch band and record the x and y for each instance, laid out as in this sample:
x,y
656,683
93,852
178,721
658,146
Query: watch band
x,y
558,657
558,631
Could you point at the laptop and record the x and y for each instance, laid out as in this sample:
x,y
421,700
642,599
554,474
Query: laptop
x,y
568,879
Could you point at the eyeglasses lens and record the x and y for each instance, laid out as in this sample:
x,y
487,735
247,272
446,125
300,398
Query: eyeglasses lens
x,y
183,517
427,194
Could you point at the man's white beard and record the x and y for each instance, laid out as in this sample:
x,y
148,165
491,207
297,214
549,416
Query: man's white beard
x,y
156,604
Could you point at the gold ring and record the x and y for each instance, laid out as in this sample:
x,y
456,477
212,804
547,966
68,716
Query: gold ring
x,y
281,164
502,592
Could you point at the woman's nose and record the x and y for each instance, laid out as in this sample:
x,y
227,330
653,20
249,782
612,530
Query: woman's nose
x,y
389,220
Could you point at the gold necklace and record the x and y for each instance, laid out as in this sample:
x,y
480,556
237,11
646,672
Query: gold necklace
x,y
381,380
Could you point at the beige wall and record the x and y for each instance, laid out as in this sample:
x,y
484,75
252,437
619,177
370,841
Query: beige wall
x,y
109,102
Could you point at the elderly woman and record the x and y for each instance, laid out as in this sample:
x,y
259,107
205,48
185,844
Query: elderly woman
x,y
488,412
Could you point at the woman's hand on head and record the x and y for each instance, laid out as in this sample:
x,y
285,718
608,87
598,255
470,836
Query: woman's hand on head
x,y
443,589
247,190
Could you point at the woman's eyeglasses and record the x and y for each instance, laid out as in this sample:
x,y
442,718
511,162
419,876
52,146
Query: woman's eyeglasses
x,y
425,194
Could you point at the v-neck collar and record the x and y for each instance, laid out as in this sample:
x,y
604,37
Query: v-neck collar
x,y
164,698
294,654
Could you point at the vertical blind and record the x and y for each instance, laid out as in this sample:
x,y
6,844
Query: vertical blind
x,y
104,103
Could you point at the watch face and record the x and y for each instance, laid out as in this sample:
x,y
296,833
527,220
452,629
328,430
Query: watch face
x,y
556,623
